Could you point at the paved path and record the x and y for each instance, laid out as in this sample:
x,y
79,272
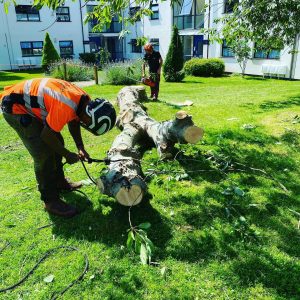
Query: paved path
x,y
82,84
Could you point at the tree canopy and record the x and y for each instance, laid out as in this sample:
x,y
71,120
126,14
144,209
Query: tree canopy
x,y
269,23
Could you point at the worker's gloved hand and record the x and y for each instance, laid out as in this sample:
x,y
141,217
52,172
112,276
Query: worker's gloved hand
x,y
83,155
72,158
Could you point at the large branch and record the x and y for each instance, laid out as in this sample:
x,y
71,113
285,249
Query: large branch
x,y
164,134
123,180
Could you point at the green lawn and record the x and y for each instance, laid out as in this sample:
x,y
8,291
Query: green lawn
x,y
224,232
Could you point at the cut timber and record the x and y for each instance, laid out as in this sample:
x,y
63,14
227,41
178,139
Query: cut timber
x,y
123,181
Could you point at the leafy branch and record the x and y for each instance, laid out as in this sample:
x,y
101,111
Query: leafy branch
x,y
139,242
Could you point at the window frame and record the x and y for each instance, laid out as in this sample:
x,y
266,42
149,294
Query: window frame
x,y
155,14
228,7
134,47
32,48
27,13
133,10
267,56
63,55
63,14
225,47
155,42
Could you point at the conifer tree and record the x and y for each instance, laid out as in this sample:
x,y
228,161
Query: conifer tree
x,y
174,61
50,54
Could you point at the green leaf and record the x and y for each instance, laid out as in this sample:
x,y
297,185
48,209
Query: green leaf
x,y
138,242
144,254
145,226
238,191
49,278
130,239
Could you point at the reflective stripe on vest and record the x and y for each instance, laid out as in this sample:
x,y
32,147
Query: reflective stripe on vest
x,y
40,98
26,95
60,97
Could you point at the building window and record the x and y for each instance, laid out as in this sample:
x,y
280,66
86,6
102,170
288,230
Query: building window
x,y
155,11
66,49
62,14
155,43
135,48
133,11
27,13
226,51
267,54
32,48
229,5
189,14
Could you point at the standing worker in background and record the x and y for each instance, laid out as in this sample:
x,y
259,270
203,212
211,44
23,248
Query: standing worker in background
x,y
37,110
153,59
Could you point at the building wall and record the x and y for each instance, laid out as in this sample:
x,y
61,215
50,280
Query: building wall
x,y
17,32
158,29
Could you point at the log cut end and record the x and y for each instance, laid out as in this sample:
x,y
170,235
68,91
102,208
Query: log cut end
x,y
193,134
130,197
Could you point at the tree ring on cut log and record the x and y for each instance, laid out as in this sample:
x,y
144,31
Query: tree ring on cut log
x,y
130,196
180,115
193,134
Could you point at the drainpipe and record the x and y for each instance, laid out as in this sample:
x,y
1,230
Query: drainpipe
x,y
81,23
294,57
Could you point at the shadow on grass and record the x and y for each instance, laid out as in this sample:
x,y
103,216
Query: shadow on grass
x,y
270,105
244,153
109,223
206,225
259,266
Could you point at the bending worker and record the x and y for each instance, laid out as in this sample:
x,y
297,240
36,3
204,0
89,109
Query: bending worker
x,y
37,110
154,60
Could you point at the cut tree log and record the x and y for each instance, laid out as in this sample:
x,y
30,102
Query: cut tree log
x,y
124,179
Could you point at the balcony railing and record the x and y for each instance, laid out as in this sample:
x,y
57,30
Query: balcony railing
x,y
189,21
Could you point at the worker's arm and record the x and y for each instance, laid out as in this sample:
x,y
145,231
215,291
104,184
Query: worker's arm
x,y
143,69
160,65
74,129
50,138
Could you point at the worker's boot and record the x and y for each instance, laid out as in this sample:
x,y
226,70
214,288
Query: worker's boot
x,y
67,185
60,208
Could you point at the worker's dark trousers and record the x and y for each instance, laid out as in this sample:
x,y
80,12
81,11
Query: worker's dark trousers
x,y
155,90
47,164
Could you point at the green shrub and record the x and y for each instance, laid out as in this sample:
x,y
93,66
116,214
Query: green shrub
x,y
88,58
174,61
76,70
214,67
123,73
50,54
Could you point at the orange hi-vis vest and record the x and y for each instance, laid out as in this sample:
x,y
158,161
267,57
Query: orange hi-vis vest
x,y
53,101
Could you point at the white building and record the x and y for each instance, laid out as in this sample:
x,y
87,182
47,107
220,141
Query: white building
x,y
22,32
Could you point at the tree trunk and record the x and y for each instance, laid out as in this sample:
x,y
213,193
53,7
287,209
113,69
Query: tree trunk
x,y
124,178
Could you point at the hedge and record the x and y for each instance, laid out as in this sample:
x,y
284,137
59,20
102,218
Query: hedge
x,y
205,67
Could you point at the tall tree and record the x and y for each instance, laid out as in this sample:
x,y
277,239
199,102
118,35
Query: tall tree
x,y
174,61
50,54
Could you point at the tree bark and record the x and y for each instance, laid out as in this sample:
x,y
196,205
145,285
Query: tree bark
x,y
124,180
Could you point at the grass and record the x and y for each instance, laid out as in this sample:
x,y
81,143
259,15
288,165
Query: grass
x,y
220,233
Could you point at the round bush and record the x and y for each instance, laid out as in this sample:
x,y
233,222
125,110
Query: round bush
x,y
214,67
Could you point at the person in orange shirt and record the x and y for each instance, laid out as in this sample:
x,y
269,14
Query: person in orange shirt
x,y
37,110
